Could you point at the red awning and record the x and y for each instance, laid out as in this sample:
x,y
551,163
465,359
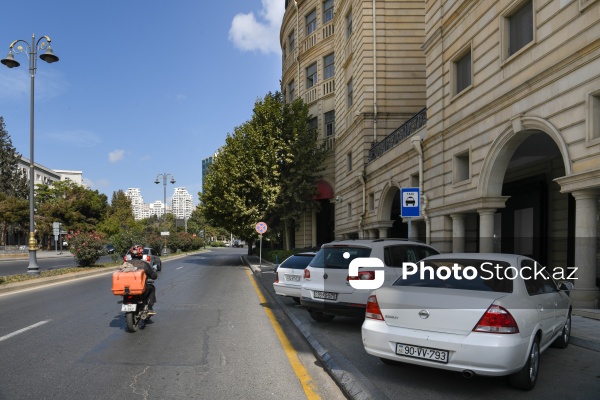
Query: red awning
x,y
324,191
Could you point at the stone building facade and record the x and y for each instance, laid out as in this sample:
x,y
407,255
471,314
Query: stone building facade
x,y
491,108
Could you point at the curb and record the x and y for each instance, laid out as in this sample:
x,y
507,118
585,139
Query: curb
x,y
352,382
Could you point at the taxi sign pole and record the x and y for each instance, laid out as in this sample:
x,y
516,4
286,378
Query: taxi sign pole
x,y
260,228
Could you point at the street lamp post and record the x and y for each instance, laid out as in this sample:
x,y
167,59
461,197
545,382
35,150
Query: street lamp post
x,y
10,62
165,176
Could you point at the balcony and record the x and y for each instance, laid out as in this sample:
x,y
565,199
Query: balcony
x,y
327,30
328,87
329,142
347,51
309,42
399,135
310,95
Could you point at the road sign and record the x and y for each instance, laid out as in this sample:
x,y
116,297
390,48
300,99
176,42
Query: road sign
x,y
410,202
261,228
164,234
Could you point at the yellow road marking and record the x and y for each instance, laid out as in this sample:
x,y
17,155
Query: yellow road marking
x,y
290,352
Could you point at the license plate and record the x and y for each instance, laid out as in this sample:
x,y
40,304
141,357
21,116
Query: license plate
x,y
325,295
128,307
292,278
424,353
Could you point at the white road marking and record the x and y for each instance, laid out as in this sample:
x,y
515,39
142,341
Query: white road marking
x,y
179,267
15,333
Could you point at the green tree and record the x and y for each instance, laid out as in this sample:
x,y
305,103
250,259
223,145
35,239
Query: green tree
x,y
301,163
266,171
243,183
119,215
76,207
14,189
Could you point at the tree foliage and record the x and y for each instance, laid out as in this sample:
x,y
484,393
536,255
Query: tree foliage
x,y
14,192
266,170
76,207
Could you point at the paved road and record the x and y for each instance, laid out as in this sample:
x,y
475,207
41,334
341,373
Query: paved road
x,y
212,339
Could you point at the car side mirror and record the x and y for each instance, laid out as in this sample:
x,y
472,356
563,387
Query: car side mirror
x,y
566,286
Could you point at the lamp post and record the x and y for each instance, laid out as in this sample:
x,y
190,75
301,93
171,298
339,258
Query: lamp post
x,y
165,176
48,56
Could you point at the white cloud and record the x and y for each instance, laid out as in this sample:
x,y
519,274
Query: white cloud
x,y
116,155
101,183
248,34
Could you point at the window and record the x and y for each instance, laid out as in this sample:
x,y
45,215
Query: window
x,y
371,201
349,210
520,28
291,90
329,64
349,162
311,22
311,75
327,11
594,116
312,124
349,94
292,40
462,68
461,167
349,24
329,123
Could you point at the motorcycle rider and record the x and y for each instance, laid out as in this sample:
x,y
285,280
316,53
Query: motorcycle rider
x,y
134,257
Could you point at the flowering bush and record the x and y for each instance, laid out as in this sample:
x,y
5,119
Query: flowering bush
x,y
87,247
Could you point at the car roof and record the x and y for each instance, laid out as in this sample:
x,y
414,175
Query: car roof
x,y
306,254
476,256
371,242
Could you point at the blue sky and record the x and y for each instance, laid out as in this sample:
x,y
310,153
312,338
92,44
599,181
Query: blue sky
x,y
141,88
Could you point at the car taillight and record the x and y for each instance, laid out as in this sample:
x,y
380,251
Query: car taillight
x,y
276,277
496,320
373,310
306,274
363,275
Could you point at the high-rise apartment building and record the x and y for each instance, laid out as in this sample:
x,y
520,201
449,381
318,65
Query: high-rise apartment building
x,y
490,108
137,202
182,204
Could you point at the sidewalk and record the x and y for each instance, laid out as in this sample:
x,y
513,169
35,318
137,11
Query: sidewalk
x,y
585,332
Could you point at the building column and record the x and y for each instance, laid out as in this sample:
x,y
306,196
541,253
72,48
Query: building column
x,y
585,293
458,233
486,230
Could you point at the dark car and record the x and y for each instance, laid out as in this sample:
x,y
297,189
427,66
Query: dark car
x,y
109,248
152,258
410,201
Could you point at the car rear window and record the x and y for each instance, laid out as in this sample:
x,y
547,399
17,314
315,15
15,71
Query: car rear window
x,y
487,276
297,261
394,256
333,257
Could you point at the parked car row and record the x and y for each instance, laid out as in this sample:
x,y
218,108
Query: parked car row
x,y
474,313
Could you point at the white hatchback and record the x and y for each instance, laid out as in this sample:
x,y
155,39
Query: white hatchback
x,y
479,314
327,291
289,275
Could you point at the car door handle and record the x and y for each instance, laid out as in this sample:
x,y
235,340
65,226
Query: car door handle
x,y
540,307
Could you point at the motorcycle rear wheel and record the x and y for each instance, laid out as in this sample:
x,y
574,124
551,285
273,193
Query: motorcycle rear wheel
x,y
133,321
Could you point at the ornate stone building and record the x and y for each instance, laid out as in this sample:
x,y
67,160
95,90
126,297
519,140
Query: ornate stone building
x,y
491,108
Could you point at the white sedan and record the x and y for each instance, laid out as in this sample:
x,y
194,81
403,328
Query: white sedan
x,y
479,314
289,275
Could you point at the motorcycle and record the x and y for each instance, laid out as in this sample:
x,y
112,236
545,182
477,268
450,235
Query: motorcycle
x,y
135,307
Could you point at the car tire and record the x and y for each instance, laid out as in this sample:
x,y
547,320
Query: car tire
x,y
562,341
296,300
526,378
320,317
387,361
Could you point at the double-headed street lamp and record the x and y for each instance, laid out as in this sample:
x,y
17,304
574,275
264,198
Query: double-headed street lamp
x,y
43,43
165,176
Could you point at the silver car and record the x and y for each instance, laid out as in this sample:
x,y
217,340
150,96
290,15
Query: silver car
x,y
479,314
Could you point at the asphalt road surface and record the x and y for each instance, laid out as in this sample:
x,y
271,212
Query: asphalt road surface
x,y
211,339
